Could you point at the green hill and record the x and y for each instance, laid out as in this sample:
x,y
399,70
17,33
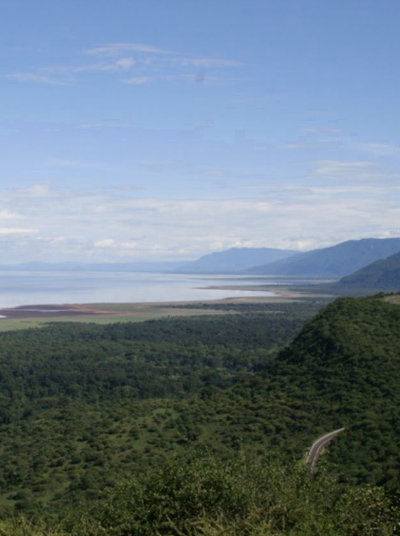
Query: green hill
x,y
345,368
380,275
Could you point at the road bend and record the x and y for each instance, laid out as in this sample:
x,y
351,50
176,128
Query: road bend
x,y
318,446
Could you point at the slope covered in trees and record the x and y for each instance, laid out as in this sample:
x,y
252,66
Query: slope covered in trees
x,y
163,427
345,366
380,275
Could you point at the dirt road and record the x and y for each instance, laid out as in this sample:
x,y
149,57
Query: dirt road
x,y
318,446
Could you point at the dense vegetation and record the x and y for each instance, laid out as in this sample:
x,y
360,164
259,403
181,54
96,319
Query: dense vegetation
x,y
345,366
236,497
198,425
82,404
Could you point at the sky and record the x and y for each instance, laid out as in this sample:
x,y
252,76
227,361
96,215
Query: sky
x,y
166,129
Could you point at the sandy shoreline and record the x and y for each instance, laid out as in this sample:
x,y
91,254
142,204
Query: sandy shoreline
x,y
138,308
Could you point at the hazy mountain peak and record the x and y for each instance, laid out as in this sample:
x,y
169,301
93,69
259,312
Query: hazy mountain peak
x,y
233,260
334,261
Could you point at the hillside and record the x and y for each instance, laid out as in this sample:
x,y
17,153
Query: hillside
x,y
380,275
233,260
333,262
345,368
84,407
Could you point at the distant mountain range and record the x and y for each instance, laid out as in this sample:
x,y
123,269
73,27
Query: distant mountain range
x,y
332,262
233,260
380,275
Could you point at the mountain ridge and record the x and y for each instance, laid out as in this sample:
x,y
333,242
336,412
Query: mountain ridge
x,y
233,260
383,274
334,262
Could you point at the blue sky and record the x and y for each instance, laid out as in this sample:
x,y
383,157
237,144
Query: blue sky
x,y
163,129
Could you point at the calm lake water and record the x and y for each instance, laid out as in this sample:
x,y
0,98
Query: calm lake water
x,y
29,288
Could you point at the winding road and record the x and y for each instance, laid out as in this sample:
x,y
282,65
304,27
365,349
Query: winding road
x,y
318,446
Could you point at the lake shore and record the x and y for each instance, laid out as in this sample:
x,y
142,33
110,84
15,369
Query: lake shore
x,y
116,308
33,316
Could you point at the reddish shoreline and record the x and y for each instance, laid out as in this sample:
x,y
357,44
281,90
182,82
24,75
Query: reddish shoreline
x,y
45,311
134,308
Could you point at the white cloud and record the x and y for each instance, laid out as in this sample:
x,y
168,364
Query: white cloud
x,y
131,245
104,124
328,138
96,226
36,78
207,62
379,149
16,230
9,215
125,63
115,49
105,243
323,131
345,169
137,80
37,190
69,163
148,62
198,78
60,75
115,65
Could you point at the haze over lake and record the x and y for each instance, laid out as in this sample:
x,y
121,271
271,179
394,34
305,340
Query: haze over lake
x,y
29,288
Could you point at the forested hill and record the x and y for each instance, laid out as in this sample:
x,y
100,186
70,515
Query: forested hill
x,y
333,262
344,369
380,275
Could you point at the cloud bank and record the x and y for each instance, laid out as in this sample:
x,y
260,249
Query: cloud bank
x,y
54,225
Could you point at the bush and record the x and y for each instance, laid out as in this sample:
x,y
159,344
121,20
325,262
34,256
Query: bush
x,y
242,498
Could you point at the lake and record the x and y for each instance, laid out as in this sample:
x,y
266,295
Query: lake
x,y
50,287
35,287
